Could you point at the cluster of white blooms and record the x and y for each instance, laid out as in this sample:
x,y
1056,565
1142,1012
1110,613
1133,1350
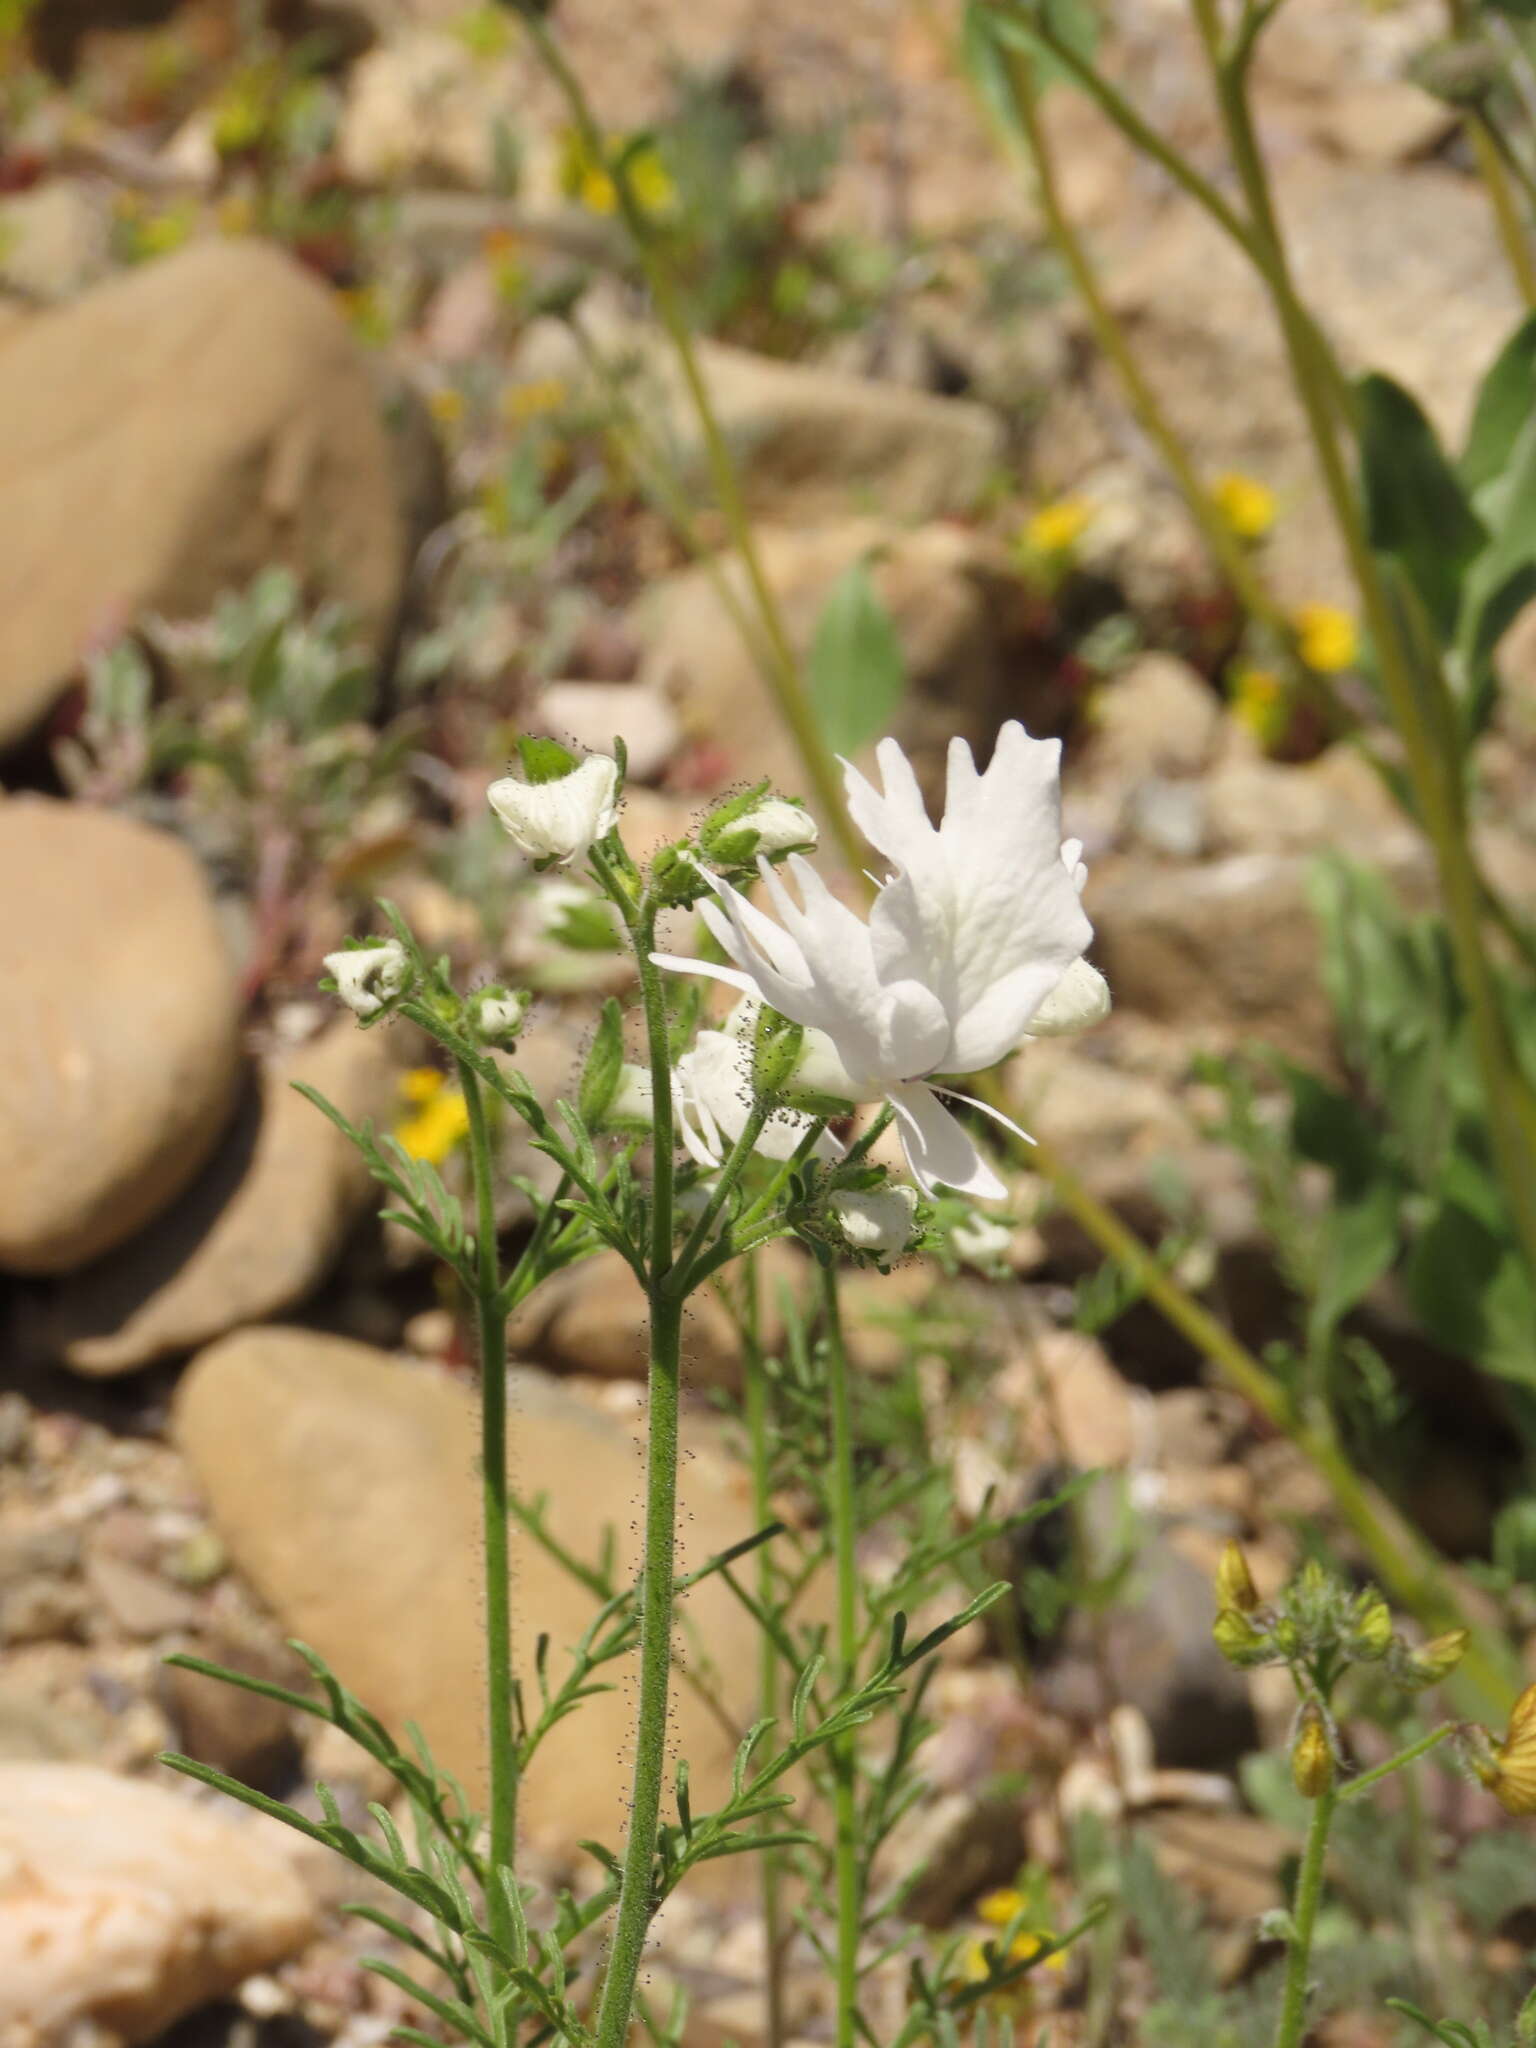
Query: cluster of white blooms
x,y
974,944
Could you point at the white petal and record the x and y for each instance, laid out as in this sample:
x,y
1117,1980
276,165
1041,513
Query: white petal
x,y
712,970
1080,999
878,1220
895,820
559,820
939,1150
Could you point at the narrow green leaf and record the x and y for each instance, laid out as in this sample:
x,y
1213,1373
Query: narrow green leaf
x,y
1416,510
1506,399
856,668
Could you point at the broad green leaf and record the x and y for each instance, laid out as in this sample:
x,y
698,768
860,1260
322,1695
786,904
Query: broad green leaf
x,y
1470,1288
856,668
1506,399
1416,510
1503,578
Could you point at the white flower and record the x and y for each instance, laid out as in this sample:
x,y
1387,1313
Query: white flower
x,y
819,1074
367,977
559,820
882,1220
712,1095
980,1242
496,1015
634,1098
1079,999
966,941
780,826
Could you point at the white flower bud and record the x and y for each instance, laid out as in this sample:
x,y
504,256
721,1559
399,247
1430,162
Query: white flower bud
x,y
496,1015
879,1220
634,1099
367,977
559,820
980,1242
1079,999
781,826
819,1079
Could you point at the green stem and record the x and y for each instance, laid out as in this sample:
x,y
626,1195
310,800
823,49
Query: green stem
x,y
1223,544
843,1756
1409,1755
1309,1892
492,1323
783,668
1435,778
633,1916
770,1860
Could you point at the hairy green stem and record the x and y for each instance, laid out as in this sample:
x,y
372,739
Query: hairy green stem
x,y
1434,774
635,1907
1309,1892
1224,546
492,1324
783,667
770,1862
1410,1755
843,1755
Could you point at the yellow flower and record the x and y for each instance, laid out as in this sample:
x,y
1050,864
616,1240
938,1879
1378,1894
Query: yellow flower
x,y
1260,701
651,183
446,405
1326,637
441,1120
1247,506
1057,527
585,177
523,402
1512,1780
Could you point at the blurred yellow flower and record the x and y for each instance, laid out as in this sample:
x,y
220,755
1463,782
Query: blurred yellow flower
x,y
1245,504
523,402
441,1120
446,405
1327,638
1057,527
1261,702
585,177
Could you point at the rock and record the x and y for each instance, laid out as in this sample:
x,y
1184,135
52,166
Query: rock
x,y
1385,121
421,110
810,444
44,1609
1157,717
242,1733
359,1526
54,240
1337,803
947,1851
1071,1403
254,1234
120,1032
964,619
169,434
1231,945
124,1905
139,1603
592,714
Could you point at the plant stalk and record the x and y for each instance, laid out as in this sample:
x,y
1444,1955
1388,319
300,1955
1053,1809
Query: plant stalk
x,y
633,1916
843,1754
769,1861
492,1326
1309,1892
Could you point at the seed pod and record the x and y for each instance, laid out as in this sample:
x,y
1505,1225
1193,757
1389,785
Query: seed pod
x,y
1312,1755
1234,1581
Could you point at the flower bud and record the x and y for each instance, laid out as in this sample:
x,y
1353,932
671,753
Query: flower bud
x,y
1234,1581
773,827
368,977
880,1221
560,810
979,1241
1371,1636
1432,1661
1239,1641
819,1083
1080,999
496,1016
1312,1755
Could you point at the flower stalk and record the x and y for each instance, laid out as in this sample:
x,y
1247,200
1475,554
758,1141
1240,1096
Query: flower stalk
x,y
491,1318
1309,1893
844,1759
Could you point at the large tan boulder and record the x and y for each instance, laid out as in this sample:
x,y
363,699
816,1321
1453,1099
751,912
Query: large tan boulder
x,y
166,436
119,1032
125,1905
344,1486
254,1234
